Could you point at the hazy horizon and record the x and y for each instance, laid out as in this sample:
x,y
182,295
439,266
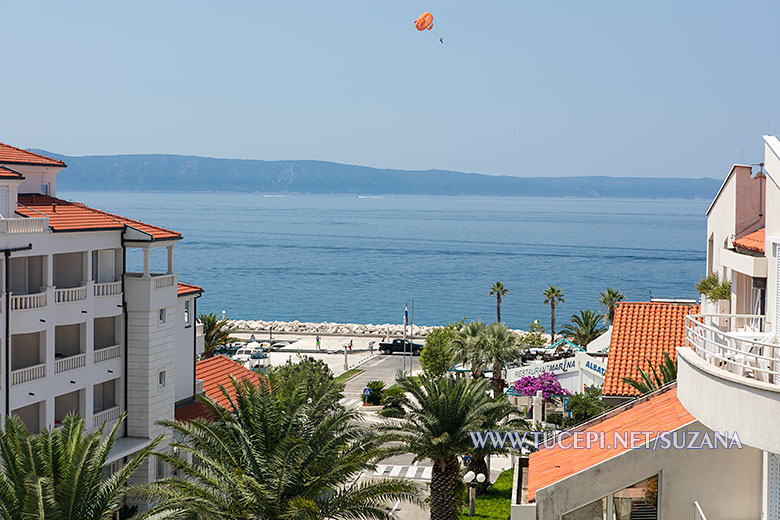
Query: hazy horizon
x,y
618,89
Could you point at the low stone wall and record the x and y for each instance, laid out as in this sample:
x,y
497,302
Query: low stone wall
x,y
347,329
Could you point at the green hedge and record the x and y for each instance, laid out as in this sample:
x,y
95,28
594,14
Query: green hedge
x,y
496,502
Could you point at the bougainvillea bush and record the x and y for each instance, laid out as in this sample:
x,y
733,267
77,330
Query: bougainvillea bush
x,y
546,382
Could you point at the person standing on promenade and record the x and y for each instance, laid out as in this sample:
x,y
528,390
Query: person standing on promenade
x,y
350,345
317,340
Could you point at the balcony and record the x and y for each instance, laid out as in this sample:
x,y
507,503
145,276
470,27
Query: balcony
x,y
25,375
15,226
162,281
729,376
105,416
70,294
104,354
108,289
26,302
69,363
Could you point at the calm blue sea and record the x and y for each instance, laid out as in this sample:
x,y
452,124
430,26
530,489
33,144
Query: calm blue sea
x,y
345,258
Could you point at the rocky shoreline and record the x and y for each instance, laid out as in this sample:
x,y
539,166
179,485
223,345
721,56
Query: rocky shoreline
x,y
344,329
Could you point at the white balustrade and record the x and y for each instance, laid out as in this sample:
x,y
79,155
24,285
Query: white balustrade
x,y
162,281
24,375
108,289
104,354
25,302
105,416
738,343
13,226
70,295
69,363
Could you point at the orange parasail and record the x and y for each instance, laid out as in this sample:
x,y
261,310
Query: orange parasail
x,y
424,21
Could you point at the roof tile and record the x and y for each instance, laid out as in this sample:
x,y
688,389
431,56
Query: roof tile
x,y
752,242
641,333
662,413
215,372
13,155
187,288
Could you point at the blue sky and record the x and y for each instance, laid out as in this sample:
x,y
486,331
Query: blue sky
x,y
518,88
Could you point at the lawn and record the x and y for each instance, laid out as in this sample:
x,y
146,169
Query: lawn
x,y
495,503
346,376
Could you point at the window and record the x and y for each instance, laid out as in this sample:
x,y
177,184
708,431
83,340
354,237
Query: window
x,y
45,188
186,313
161,379
160,468
162,316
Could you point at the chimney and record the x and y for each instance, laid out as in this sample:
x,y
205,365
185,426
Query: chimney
x,y
54,208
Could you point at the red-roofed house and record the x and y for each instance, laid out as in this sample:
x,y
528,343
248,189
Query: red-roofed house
x,y
641,333
630,471
82,331
213,373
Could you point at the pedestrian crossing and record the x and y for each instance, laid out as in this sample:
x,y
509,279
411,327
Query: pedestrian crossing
x,y
351,403
415,472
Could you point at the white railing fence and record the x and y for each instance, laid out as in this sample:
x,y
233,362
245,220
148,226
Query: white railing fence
x,y
104,354
70,363
108,289
697,512
738,343
12,226
71,294
25,302
24,375
162,281
105,416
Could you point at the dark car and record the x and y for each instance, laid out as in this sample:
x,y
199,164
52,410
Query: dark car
x,y
400,345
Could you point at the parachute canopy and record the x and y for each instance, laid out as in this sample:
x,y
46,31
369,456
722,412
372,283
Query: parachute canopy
x,y
424,21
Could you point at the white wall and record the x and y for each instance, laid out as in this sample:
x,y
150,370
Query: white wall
x,y
185,350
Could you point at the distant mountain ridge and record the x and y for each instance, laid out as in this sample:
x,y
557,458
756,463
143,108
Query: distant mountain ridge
x,y
191,173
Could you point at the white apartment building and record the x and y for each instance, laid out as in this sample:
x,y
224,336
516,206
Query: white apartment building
x,y
729,372
78,331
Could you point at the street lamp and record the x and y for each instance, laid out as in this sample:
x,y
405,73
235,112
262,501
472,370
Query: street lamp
x,y
469,478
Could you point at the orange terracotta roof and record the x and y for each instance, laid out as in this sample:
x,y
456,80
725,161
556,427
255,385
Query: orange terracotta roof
x,y
74,216
753,242
8,173
662,413
641,333
186,288
12,155
215,371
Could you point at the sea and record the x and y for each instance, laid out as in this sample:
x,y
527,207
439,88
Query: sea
x,y
361,259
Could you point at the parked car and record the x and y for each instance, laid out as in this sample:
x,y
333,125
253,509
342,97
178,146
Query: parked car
x,y
400,345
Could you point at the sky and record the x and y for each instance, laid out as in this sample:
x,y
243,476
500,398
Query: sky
x,y
651,89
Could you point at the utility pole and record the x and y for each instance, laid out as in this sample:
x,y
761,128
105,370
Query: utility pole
x,y
411,350
406,319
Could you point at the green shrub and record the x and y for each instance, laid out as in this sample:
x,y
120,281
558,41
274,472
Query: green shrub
x,y
377,388
711,287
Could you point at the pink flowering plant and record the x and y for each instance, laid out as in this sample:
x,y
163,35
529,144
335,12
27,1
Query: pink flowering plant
x,y
546,382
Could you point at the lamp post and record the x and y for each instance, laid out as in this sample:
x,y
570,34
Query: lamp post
x,y
471,479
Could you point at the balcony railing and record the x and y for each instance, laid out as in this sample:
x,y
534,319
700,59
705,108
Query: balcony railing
x,y
738,343
105,416
13,226
24,375
26,302
70,295
69,363
697,512
108,289
104,354
162,281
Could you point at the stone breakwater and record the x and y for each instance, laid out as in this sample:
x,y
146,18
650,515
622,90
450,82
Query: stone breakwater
x,y
344,329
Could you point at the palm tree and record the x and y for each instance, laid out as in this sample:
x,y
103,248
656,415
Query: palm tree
x,y
499,348
467,345
652,381
59,473
552,297
216,332
275,453
439,417
500,291
584,328
610,299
